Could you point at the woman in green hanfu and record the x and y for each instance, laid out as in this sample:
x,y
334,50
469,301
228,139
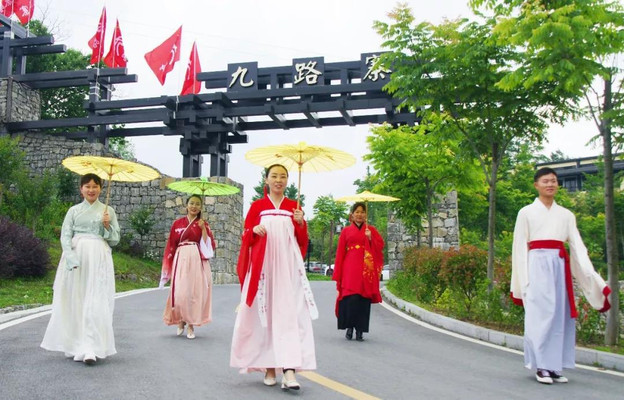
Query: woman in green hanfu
x,y
81,325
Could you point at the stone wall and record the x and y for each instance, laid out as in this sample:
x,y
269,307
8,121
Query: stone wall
x,y
445,231
18,102
224,213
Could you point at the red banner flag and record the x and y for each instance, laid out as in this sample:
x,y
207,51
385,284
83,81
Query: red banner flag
x,y
24,9
116,56
7,8
191,84
163,58
97,41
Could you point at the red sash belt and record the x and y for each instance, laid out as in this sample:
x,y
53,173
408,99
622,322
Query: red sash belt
x,y
556,244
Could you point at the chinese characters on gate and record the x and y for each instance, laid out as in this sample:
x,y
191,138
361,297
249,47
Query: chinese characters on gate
x,y
305,72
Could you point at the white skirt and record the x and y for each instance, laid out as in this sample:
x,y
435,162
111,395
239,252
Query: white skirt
x,y
82,306
549,331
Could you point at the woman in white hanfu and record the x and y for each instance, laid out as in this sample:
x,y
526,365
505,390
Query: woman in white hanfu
x,y
81,325
541,280
273,328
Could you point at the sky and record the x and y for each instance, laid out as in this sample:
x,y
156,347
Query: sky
x,y
271,32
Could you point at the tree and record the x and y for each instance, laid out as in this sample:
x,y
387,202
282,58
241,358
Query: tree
x,y
60,102
417,166
449,72
11,159
142,221
328,214
574,45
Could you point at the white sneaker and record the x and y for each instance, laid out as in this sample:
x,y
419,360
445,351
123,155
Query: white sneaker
x,y
558,378
543,376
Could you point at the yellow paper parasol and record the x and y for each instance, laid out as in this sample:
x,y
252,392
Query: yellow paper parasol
x,y
302,157
367,196
203,187
111,169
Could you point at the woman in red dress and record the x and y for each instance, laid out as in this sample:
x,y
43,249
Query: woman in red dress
x,y
359,259
273,328
185,261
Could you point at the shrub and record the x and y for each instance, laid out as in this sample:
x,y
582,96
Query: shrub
x,y
590,324
21,253
424,264
142,221
129,246
463,271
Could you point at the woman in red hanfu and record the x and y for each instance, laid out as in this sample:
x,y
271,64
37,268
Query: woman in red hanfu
x,y
359,260
273,328
185,262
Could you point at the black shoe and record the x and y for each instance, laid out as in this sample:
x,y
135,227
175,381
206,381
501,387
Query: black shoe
x,y
359,336
349,334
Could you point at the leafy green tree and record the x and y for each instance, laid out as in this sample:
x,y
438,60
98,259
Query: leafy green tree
x,y
122,147
59,102
573,45
11,162
449,72
32,195
417,167
328,214
142,221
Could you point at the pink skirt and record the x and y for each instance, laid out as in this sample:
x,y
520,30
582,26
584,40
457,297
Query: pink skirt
x,y
287,340
192,287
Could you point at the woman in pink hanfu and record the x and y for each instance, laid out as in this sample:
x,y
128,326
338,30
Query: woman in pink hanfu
x,y
185,262
273,328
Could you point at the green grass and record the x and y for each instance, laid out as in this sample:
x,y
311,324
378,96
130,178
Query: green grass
x,y
317,277
130,273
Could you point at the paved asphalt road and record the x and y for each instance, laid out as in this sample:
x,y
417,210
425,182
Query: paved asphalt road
x,y
398,360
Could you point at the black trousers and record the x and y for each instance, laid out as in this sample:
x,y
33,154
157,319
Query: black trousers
x,y
354,312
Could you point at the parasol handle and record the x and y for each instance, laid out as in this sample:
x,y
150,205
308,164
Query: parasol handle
x,y
299,190
107,195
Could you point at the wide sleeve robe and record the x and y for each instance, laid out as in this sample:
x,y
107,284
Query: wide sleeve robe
x,y
538,222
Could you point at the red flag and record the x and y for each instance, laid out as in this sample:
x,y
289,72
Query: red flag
x,y
162,59
7,8
24,9
191,84
97,41
116,56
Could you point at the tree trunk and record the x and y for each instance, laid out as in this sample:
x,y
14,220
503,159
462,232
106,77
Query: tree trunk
x,y
492,214
331,242
612,329
430,217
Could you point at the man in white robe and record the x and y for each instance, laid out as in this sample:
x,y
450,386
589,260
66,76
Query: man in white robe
x,y
541,280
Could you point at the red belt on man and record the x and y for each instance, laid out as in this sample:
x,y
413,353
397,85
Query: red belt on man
x,y
556,244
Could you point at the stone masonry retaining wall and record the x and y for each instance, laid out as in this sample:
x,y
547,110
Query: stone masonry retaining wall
x,y
445,231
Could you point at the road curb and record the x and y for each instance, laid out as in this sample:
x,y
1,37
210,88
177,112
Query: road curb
x,y
584,356
7,317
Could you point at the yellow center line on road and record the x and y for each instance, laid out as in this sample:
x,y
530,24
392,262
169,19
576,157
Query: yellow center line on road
x,y
337,386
